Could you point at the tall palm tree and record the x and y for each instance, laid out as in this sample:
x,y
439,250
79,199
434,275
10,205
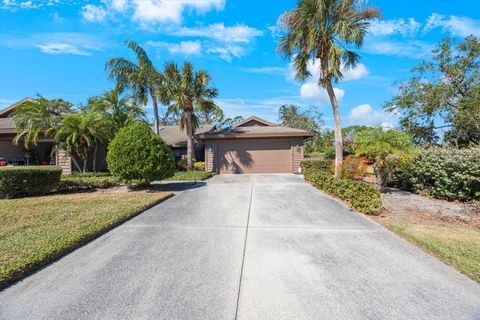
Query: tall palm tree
x,y
325,31
80,132
187,90
38,118
121,110
141,77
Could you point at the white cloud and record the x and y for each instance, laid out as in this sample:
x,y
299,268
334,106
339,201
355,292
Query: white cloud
x,y
457,26
228,52
73,43
171,10
61,48
93,13
408,48
118,5
364,114
396,26
183,47
311,90
313,67
239,33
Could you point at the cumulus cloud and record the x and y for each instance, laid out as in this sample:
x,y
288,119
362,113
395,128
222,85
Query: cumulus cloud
x,y
183,47
228,52
239,33
313,67
364,114
93,13
311,90
397,26
171,11
457,26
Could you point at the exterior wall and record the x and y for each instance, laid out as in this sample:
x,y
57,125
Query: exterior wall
x,y
297,151
211,156
210,151
64,161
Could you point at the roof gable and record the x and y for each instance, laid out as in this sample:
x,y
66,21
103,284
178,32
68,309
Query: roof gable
x,y
8,110
253,122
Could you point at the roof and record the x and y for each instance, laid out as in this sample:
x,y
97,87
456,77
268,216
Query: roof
x,y
7,125
8,110
254,127
175,137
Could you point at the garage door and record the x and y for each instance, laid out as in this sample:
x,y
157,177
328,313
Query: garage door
x,y
255,156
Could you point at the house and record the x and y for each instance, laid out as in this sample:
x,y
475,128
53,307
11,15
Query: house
x,y
41,154
254,146
176,139
17,154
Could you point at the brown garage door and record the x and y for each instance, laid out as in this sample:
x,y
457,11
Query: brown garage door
x,y
255,156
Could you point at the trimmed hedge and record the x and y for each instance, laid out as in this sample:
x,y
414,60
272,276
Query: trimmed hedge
x,y
359,195
28,181
88,180
325,165
444,173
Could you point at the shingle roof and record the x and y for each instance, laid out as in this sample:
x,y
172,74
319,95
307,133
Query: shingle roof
x,y
255,132
7,125
175,137
5,112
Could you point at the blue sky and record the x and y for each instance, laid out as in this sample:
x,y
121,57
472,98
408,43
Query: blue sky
x,y
59,48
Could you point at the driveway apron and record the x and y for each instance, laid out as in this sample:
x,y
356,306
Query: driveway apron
x,y
246,247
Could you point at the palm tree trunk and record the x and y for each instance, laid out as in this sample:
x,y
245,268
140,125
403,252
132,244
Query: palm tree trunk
x,y
188,127
338,131
75,162
85,160
155,115
94,161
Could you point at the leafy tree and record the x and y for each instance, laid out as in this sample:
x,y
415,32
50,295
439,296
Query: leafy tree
x,y
324,31
223,122
383,148
80,132
137,153
188,90
208,113
326,141
310,120
140,77
37,118
119,109
443,94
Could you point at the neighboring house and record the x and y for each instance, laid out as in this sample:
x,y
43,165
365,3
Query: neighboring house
x,y
19,155
254,146
41,154
176,139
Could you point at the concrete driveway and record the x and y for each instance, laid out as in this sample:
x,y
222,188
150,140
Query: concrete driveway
x,y
246,247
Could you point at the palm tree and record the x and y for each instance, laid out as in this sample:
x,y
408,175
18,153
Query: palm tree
x,y
80,132
187,90
324,31
38,118
119,109
140,77
383,148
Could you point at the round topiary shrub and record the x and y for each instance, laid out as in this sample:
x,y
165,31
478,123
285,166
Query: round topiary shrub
x,y
137,153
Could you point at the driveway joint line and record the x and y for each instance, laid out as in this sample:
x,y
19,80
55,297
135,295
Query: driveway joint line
x,y
244,248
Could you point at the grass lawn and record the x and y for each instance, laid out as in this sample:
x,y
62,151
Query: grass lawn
x,y
190,175
456,246
36,230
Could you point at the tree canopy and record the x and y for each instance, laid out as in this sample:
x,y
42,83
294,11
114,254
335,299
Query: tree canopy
x,y
443,95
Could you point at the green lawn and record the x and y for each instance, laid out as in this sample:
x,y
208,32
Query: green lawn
x,y
190,175
456,246
36,230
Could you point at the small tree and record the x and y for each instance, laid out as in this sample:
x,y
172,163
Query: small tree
x,y
137,153
383,148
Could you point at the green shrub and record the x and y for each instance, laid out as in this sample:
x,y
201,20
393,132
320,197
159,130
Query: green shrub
x,y
199,166
326,165
137,153
445,173
182,164
28,181
88,180
359,195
